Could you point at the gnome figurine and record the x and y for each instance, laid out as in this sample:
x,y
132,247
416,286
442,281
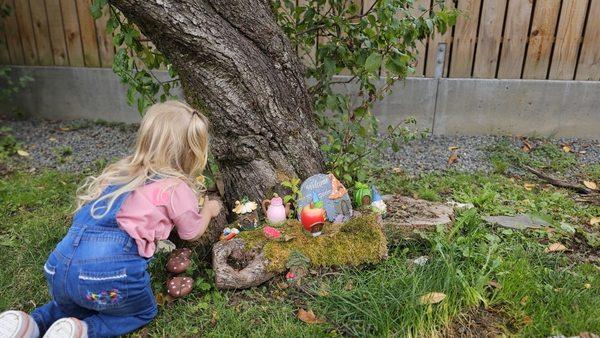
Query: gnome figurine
x,y
377,204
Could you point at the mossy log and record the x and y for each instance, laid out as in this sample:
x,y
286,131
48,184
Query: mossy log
x,y
251,259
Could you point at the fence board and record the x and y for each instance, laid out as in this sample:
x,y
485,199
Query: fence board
x,y
432,50
488,41
4,54
516,29
42,35
589,60
72,35
13,39
421,48
23,15
545,19
88,34
465,37
57,33
568,36
105,45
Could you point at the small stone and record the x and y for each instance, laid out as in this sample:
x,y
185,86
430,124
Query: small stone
x,y
421,260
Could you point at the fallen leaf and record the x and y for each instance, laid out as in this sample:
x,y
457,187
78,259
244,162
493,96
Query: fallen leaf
x,y
453,157
591,185
527,146
587,285
287,238
529,186
23,153
451,148
524,300
566,148
53,139
594,221
160,299
555,247
494,284
397,170
527,320
309,317
64,128
432,298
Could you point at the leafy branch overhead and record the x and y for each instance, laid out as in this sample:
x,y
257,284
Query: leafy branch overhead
x,y
374,47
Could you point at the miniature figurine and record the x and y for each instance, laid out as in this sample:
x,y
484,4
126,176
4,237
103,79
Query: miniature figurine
x,y
247,214
313,216
362,195
275,211
290,277
378,205
229,233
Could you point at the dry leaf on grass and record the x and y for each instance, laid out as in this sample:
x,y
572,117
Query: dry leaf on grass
x,y
594,221
494,284
555,247
453,157
527,146
591,185
22,152
529,186
432,298
309,317
566,148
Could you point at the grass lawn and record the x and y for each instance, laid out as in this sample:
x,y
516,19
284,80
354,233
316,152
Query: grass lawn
x,y
496,280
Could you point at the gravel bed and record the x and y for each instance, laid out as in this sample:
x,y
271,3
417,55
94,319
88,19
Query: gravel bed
x,y
73,145
79,144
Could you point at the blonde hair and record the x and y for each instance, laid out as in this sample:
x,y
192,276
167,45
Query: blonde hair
x,y
172,142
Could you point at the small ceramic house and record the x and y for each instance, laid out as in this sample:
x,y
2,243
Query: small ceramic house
x,y
333,194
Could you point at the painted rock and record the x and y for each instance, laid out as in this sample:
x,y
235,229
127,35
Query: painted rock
x,y
271,232
178,263
336,202
179,286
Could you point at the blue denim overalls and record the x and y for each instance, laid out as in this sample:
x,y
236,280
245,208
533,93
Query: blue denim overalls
x,y
96,274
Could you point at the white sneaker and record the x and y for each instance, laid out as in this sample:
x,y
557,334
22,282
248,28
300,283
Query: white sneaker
x,y
18,324
67,328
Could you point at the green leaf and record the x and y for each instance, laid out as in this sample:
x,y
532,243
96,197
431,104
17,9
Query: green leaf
x,y
373,62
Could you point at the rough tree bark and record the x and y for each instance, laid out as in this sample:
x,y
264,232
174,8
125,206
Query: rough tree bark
x,y
236,63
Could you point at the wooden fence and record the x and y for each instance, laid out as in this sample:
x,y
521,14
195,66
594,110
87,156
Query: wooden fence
x,y
529,39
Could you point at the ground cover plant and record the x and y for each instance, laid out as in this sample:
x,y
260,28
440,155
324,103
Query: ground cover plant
x,y
495,280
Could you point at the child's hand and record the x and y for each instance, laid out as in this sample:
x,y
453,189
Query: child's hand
x,y
211,207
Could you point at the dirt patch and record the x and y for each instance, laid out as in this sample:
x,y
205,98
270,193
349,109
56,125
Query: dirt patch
x,y
479,322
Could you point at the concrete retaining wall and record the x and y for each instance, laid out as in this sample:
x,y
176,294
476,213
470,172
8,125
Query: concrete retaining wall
x,y
445,106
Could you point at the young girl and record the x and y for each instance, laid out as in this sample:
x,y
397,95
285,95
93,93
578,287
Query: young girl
x,y
97,274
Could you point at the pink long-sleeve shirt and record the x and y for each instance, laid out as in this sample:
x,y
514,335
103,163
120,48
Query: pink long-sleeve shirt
x,y
150,212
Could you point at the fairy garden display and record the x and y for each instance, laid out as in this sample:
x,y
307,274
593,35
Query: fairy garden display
x,y
324,233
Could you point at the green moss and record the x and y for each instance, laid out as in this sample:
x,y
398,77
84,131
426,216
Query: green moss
x,y
355,242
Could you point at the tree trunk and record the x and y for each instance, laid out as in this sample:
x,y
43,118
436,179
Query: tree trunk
x,y
238,67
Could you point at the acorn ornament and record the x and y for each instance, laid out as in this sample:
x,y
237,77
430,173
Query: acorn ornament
x,y
179,286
